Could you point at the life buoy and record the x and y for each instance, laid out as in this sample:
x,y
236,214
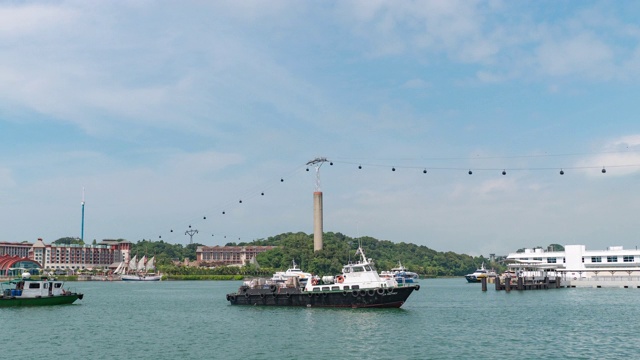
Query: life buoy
x,y
262,295
232,298
417,287
314,281
339,279
246,295
344,293
228,297
273,288
355,293
288,295
380,291
363,292
371,292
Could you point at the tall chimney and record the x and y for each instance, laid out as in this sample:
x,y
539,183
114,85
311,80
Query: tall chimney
x,y
317,220
317,204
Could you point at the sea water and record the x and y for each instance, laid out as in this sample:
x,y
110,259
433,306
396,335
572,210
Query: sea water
x,y
446,319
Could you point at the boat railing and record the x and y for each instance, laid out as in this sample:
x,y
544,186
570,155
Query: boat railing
x,y
610,278
70,290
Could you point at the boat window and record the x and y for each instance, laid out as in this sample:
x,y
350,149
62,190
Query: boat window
x,y
346,287
354,287
326,288
34,285
316,289
57,285
358,269
367,268
335,288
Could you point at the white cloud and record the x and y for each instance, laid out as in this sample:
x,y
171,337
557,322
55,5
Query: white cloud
x,y
583,54
32,19
6,178
415,84
619,157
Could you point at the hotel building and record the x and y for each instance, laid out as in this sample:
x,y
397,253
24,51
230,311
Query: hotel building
x,y
229,255
70,257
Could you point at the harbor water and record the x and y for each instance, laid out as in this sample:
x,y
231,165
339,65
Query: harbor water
x,y
446,319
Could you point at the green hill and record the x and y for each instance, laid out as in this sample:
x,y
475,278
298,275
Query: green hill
x,y
338,249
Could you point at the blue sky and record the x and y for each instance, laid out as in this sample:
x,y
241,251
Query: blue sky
x,y
169,112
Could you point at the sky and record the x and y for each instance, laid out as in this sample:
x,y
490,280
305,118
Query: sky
x,y
169,116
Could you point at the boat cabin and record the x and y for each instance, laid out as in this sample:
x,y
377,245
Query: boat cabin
x,y
26,287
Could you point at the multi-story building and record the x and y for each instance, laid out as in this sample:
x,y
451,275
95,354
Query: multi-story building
x,y
70,257
229,255
581,267
15,249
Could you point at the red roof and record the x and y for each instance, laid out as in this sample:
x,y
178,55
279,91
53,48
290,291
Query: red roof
x,y
6,261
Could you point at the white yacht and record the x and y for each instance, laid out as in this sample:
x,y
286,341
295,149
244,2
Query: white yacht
x,y
293,271
401,275
480,273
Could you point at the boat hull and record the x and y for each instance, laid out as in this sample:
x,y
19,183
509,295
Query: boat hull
x,y
140,278
362,298
472,279
39,301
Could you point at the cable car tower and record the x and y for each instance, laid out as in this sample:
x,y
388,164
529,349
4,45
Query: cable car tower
x,y
317,205
191,232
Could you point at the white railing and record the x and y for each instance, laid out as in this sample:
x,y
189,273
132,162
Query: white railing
x,y
612,278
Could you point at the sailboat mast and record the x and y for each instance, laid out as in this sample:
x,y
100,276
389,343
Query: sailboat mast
x,y
82,222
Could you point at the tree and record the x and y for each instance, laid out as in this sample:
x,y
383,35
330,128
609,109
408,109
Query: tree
x,y
69,241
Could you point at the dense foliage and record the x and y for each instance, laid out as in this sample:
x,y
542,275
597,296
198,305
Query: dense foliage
x,y
69,241
338,249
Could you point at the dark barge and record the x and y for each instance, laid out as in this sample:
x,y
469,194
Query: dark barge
x,y
359,286
390,297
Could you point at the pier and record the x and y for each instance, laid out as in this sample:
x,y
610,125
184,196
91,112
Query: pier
x,y
523,283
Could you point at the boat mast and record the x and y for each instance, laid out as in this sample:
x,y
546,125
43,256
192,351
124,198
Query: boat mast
x,y
82,222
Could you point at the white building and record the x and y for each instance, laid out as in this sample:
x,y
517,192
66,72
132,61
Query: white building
x,y
577,266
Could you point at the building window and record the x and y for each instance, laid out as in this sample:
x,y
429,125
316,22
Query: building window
x,y
596,259
612,259
628,259
551,260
